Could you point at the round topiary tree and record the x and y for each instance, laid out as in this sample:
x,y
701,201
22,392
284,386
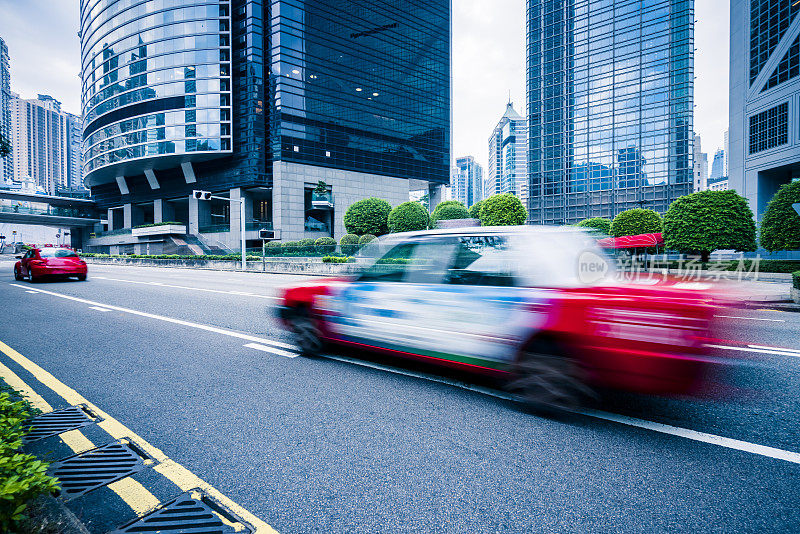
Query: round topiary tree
x,y
368,216
503,210
448,210
325,245
705,221
364,239
306,245
636,221
780,227
408,217
349,244
601,224
475,210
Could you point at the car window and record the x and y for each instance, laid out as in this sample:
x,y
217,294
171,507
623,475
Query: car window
x,y
57,253
28,254
482,261
391,266
430,261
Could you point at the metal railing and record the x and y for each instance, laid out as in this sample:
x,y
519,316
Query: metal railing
x,y
214,228
54,211
258,225
118,231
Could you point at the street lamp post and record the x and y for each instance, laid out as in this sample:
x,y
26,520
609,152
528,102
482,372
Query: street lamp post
x,y
206,195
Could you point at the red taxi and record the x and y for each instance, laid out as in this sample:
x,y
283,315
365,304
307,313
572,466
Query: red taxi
x,y
539,308
38,263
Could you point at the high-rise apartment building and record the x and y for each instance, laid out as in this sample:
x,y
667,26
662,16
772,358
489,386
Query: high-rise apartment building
x,y
466,182
507,171
610,106
44,143
74,129
6,163
700,166
764,98
260,101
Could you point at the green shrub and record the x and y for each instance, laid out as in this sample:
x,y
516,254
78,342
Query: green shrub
x,y
349,244
636,221
703,222
337,259
290,247
368,216
780,227
325,245
408,217
503,210
796,279
22,476
273,248
306,246
448,210
600,224
364,239
475,210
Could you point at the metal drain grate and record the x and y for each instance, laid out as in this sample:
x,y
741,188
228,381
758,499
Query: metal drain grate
x,y
193,512
58,421
98,467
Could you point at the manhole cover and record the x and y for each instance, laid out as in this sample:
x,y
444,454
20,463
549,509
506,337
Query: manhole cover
x,y
98,467
194,512
58,421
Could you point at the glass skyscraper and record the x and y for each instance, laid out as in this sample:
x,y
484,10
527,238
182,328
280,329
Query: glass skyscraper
x,y
610,98
508,156
261,100
6,163
466,183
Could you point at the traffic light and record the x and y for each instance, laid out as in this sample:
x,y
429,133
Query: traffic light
x,y
201,195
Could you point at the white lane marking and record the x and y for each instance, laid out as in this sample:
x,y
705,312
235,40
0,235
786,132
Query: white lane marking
x,y
98,308
223,331
764,350
161,284
31,291
272,350
703,437
752,318
774,348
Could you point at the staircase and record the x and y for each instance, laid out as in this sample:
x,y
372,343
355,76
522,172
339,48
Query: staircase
x,y
190,244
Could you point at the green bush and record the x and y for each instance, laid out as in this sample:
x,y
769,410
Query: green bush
x,y
796,279
636,221
600,224
349,244
780,228
368,216
503,210
337,259
408,217
159,224
290,247
448,210
475,210
306,245
273,248
22,476
325,245
703,222
364,239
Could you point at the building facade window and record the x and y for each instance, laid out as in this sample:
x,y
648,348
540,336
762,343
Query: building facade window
x,y
769,128
788,68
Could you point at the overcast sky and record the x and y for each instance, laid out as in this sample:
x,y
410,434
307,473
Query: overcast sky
x,y
488,63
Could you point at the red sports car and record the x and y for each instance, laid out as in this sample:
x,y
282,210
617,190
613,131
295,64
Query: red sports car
x,y
49,261
539,308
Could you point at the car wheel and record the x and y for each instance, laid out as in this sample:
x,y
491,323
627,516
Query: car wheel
x,y
81,277
32,279
546,380
17,275
306,334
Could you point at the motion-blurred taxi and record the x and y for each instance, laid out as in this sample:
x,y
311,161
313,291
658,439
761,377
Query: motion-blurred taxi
x,y
38,263
538,307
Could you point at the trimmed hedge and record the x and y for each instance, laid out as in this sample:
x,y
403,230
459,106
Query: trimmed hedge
x,y
368,216
22,477
408,217
475,210
448,210
272,248
780,227
349,244
325,245
598,223
306,245
338,259
636,221
364,239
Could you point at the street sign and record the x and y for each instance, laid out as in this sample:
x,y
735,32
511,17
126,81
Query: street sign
x,y
266,234
796,207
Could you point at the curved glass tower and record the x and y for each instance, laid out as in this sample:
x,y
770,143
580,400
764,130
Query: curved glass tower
x,y
156,86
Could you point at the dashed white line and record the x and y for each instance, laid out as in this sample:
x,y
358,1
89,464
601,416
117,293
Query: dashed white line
x,y
98,308
759,350
272,350
774,348
207,290
31,291
752,318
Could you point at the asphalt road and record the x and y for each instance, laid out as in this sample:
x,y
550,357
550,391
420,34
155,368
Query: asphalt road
x,y
355,445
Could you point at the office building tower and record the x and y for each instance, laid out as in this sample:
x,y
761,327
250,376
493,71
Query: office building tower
x,y
466,183
700,166
7,162
610,106
507,171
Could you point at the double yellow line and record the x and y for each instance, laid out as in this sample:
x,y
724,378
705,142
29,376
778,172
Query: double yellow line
x,y
129,490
